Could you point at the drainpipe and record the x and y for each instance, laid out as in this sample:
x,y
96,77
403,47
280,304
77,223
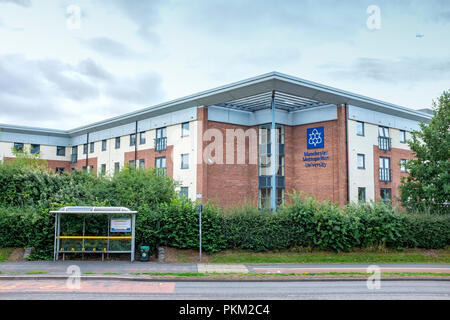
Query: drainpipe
x,y
135,145
274,156
346,152
87,152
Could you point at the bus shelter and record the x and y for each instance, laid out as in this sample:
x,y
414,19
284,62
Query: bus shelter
x,y
90,230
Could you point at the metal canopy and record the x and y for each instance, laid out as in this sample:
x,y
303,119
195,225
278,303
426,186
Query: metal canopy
x,y
94,210
283,101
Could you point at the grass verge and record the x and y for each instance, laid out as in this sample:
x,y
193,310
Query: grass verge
x,y
36,272
4,253
215,275
360,256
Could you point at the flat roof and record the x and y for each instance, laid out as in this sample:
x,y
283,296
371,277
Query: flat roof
x,y
251,94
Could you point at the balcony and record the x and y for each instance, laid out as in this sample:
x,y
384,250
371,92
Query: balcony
x,y
266,182
74,158
385,175
384,143
266,149
160,144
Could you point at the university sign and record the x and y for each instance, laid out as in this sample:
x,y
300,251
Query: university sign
x,y
315,139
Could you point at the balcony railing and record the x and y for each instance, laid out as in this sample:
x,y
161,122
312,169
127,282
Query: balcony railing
x,y
74,158
266,182
266,149
160,144
384,143
385,175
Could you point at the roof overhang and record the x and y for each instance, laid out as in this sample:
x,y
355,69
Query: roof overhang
x,y
302,93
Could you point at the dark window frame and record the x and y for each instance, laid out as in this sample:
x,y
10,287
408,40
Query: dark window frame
x,y
117,143
363,129
58,148
364,161
19,146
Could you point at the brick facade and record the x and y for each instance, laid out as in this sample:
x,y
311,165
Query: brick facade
x,y
52,164
324,183
395,155
149,155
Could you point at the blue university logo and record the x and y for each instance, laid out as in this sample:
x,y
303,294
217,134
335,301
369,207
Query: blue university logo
x,y
315,138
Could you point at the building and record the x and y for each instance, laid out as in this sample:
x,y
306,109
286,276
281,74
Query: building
x,y
329,143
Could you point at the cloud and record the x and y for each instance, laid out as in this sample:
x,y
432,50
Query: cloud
x,y
404,69
145,14
23,3
55,94
108,47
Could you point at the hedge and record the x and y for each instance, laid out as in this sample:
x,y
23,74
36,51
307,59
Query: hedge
x,y
28,192
175,224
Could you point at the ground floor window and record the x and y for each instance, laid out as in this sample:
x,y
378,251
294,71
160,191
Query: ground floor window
x,y
264,197
160,165
361,194
385,194
184,192
59,170
141,163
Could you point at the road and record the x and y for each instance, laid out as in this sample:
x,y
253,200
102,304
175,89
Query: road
x,y
219,290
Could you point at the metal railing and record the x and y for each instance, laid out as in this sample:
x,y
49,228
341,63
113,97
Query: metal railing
x,y
74,158
385,175
384,143
266,182
160,144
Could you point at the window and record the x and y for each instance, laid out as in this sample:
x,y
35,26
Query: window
x,y
185,129
117,143
385,195
18,147
161,139
142,137
184,192
384,141
103,145
385,169
360,128
132,164
116,167
361,161
403,165
185,161
59,170
132,139
361,194
265,198
160,165
91,169
103,169
91,147
60,151
74,154
85,148
142,164
402,136
383,132
35,148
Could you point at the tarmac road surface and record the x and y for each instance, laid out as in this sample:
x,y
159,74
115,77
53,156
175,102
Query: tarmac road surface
x,y
220,290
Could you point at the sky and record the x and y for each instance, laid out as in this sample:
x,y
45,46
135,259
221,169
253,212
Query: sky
x,y
64,64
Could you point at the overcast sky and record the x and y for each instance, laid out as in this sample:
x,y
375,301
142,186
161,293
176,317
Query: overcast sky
x,y
132,54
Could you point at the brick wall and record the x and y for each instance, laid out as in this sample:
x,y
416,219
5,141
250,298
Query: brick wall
x,y
329,183
149,155
395,155
52,164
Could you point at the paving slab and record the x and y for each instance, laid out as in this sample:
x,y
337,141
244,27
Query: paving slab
x,y
221,268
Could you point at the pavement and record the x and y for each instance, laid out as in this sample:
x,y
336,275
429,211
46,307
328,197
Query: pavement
x,y
123,268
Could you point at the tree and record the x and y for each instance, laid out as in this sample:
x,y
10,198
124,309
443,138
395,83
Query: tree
x,y
427,188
